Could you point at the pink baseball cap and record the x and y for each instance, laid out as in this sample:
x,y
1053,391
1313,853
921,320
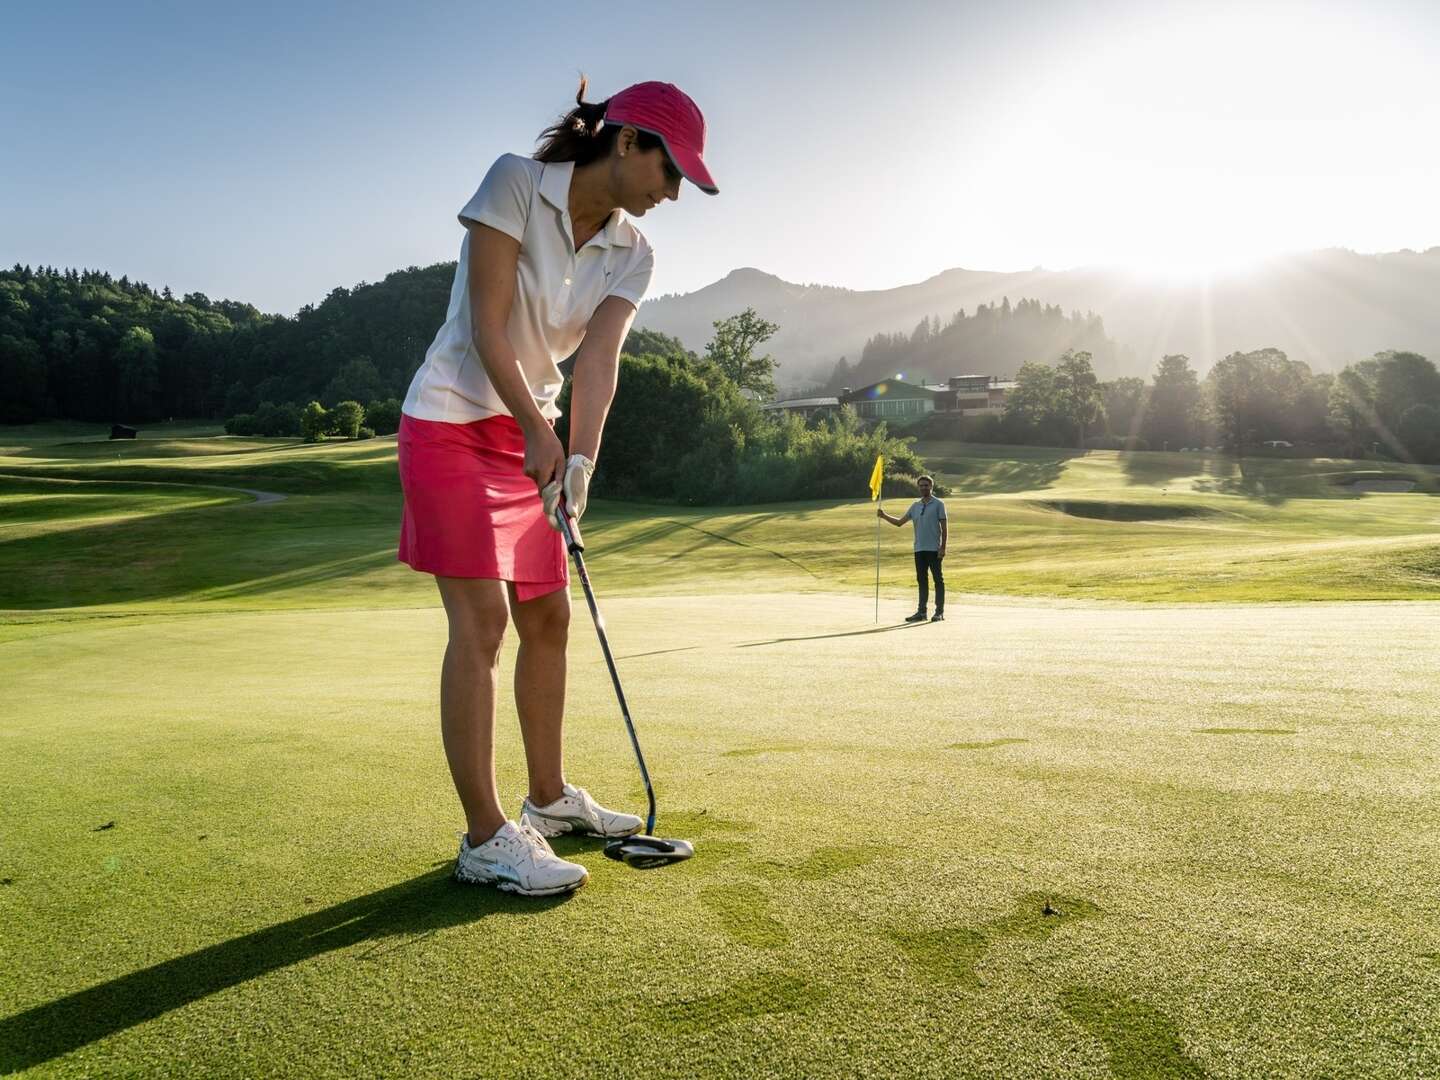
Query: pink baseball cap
x,y
665,110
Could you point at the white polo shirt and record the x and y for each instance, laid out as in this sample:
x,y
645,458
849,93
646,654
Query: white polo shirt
x,y
557,290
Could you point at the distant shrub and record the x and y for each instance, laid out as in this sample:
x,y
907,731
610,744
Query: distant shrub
x,y
346,418
278,420
240,424
365,433
383,416
679,429
269,419
315,422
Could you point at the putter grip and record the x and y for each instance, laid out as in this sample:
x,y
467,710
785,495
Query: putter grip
x,y
570,529
572,533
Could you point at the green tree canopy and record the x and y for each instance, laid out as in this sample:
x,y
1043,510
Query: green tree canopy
x,y
732,351
1174,411
1077,393
1124,405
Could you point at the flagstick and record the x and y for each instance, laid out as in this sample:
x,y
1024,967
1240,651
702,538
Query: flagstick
x,y
877,562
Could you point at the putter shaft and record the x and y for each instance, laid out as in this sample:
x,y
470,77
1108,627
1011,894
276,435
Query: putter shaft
x,y
576,546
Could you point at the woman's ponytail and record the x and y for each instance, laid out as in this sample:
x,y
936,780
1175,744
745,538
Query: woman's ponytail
x,y
580,135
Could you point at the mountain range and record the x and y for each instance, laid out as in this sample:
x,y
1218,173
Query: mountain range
x,y
1328,308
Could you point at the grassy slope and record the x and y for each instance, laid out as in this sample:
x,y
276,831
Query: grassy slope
x,y
1227,808
1025,522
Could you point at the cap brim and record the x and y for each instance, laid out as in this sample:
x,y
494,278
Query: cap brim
x,y
688,162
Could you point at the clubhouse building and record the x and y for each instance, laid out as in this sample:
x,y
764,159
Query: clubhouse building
x,y
896,399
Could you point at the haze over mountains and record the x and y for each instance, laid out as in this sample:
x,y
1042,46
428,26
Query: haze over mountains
x,y
1328,308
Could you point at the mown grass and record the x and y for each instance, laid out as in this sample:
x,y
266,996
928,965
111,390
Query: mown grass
x,y
1049,837
1024,521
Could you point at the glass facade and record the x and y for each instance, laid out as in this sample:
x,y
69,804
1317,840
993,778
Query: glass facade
x,y
882,407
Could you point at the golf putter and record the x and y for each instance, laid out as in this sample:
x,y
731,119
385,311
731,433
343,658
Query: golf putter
x,y
644,852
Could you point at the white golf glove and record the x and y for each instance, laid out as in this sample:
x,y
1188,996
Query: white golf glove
x,y
576,486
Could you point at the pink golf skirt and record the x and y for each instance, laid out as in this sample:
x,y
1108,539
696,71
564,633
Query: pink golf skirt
x,y
470,511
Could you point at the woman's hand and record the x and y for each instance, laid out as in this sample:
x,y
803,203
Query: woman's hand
x,y
544,456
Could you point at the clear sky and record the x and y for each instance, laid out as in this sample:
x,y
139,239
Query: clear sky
x,y
269,152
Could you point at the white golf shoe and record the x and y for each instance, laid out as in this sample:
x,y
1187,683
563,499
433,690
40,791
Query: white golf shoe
x,y
517,859
576,812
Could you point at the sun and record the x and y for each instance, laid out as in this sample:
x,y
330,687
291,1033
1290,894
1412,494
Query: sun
x,y
1188,263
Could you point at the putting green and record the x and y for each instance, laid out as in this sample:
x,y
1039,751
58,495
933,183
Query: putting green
x,y
1046,837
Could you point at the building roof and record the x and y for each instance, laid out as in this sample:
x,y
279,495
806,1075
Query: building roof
x,y
802,403
943,389
889,388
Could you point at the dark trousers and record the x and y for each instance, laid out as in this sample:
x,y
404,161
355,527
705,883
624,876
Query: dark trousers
x,y
929,561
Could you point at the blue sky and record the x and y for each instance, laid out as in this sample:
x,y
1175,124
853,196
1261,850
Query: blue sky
x,y
269,152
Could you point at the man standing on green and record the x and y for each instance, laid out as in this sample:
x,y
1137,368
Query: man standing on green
x,y
932,531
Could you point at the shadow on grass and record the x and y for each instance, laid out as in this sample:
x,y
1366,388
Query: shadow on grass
x,y
965,476
1158,470
107,450
692,536
750,522
1237,476
422,905
822,637
208,552
372,472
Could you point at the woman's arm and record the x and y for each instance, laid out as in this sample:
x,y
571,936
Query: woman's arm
x,y
597,366
491,282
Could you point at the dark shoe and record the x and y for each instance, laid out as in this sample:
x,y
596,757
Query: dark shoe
x,y
919,616
939,616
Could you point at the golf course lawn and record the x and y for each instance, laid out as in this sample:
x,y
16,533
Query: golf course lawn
x,y
1159,798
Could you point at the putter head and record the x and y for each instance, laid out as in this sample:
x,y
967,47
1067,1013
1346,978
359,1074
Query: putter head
x,y
648,852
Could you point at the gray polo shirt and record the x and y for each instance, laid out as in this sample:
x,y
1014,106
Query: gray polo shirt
x,y
927,517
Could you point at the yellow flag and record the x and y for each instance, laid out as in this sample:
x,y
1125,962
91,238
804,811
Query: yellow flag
x,y
877,476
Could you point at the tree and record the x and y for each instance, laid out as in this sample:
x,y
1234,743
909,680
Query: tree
x,y
315,421
1031,407
663,406
1257,395
357,380
22,381
1419,433
1124,403
1352,406
1403,379
1173,413
1077,393
732,350
139,375
641,342
346,418
383,417
271,419
1368,400
1233,383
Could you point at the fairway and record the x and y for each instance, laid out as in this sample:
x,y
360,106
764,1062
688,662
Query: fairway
x,y
1158,799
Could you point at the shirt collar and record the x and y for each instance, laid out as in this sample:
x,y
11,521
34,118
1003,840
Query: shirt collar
x,y
555,184
555,189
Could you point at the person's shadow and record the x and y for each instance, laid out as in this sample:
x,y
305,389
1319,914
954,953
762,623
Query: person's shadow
x,y
421,905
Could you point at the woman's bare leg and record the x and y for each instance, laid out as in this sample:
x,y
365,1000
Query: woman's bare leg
x,y
544,628
478,614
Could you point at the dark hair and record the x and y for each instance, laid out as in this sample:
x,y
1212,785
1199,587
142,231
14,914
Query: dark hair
x,y
582,136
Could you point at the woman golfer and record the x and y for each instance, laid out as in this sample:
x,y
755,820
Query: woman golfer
x,y
549,263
